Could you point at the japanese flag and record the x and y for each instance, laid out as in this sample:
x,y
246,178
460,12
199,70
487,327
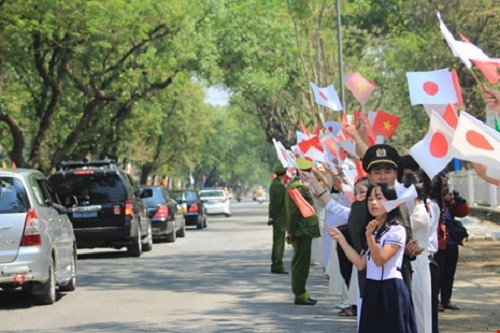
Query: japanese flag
x,y
283,155
433,152
327,97
433,87
476,142
332,126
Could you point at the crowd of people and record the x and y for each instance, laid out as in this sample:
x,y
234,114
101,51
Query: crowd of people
x,y
394,263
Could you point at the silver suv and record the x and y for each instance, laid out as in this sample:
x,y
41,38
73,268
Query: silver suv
x,y
37,243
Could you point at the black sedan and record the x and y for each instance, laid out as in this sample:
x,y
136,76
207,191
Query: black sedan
x,y
192,208
163,213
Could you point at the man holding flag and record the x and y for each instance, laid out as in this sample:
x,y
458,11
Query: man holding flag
x,y
302,227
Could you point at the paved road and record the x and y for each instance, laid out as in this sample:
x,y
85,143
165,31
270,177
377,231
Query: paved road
x,y
217,280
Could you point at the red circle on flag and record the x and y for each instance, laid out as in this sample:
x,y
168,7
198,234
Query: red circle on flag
x,y
431,88
478,140
439,145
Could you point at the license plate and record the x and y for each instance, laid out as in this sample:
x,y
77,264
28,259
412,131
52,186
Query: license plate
x,y
84,215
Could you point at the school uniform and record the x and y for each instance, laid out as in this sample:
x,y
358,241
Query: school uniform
x,y
387,307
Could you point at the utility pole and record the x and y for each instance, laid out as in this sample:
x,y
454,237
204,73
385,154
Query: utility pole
x,y
341,62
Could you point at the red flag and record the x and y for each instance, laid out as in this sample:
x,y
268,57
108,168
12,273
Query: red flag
x,y
385,124
360,87
456,85
304,128
450,116
369,129
305,208
489,70
360,170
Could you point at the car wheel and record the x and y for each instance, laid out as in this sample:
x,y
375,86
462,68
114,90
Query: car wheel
x,y
149,245
181,232
171,237
205,222
71,286
135,249
48,289
199,224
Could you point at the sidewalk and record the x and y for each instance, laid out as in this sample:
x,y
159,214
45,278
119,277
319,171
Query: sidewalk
x,y
480,230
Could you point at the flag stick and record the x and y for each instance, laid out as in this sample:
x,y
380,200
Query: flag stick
x,y
476,78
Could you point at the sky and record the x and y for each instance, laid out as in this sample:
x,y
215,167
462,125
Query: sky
x,y
217,96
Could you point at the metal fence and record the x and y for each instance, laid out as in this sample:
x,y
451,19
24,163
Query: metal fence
x,y
474,189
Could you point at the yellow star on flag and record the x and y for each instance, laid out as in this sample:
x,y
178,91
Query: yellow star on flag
x,y
387,125
362,86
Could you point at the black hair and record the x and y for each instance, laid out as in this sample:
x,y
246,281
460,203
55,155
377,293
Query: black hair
x,y
406,162
364,180
421,181
389,192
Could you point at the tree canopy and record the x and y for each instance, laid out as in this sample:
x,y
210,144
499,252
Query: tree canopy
x,y
127,79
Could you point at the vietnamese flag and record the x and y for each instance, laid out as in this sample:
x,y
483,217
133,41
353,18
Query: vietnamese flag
x,y
383,123
360,87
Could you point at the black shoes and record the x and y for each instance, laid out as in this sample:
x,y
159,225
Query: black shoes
x,y
279,272
307,302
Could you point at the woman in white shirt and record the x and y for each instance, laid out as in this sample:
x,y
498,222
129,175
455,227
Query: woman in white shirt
x,y
387,306
421,226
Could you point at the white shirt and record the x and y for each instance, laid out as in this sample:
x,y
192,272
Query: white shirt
x,y
337,214
433,234
395,234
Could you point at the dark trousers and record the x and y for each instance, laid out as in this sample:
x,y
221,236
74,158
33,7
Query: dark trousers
x,y
344,263
447,260
278,248
434,269
301,262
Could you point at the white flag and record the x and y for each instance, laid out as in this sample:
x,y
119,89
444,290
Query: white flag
x,y
408,195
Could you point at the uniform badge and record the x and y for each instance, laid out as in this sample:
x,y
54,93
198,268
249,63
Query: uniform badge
x,y
381,152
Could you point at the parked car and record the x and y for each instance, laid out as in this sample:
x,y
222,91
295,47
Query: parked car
x,y
106,209
215,202
192,208
163,213
38,247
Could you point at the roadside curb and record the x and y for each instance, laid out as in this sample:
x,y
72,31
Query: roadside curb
x,y
485,213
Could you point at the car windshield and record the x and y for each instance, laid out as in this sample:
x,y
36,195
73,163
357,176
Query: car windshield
x,y
93,188
13,197
157,198
211,193
190,195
